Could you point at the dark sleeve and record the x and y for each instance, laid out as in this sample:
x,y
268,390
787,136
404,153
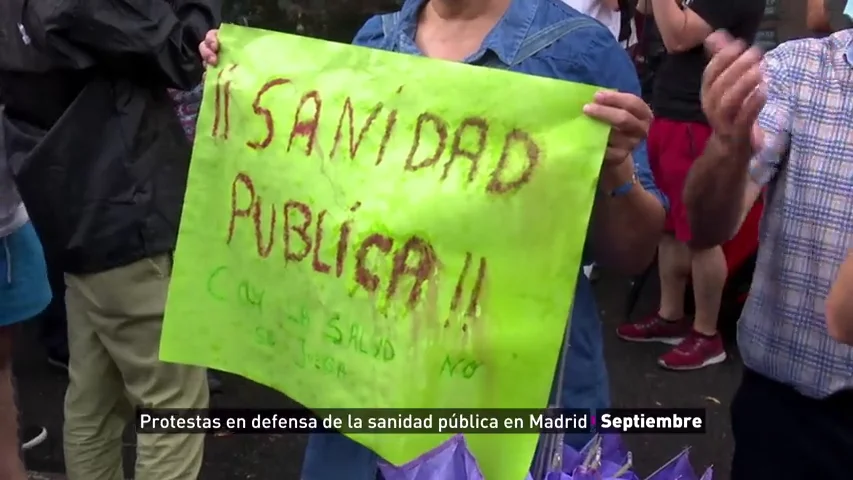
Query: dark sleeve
x,y
150,40
717,13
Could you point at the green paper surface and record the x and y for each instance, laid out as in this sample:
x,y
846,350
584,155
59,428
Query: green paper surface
x,y
348,264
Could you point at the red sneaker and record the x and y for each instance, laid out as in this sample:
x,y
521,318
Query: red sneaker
x,y
694,352
654,329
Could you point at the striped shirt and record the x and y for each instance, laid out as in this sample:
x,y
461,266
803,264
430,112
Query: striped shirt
x,y
807,226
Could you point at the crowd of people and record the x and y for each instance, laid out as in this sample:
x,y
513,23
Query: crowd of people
x,y
94,161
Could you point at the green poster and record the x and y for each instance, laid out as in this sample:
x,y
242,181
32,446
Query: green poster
x,y
368,229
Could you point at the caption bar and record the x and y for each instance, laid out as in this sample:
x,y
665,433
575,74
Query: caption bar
x,y
421,421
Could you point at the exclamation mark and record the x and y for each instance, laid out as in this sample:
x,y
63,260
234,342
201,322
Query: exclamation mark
x,y
477,291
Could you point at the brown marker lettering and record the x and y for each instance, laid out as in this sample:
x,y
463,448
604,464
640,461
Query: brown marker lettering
x,y
265,113
477,291
457,292
498,186
319,265
343,243
246,181
227,105
302,230
217,103
364,277
390,123
354,141
306,128
440,127
420,271
481,128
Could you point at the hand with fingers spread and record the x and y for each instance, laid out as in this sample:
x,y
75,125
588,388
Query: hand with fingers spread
x,y
629,117
732,95
209,48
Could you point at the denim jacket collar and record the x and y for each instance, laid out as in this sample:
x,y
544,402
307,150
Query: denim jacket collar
x,y
504,40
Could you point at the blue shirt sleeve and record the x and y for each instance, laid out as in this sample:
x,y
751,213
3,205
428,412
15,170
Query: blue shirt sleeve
x,y
599,60
370,34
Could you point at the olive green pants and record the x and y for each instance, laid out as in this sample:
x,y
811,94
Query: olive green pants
x,y
114,323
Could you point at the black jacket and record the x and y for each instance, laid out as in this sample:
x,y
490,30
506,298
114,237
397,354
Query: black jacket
x,y
89,130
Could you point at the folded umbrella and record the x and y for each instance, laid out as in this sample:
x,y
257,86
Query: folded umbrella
x,y
449,461
679,468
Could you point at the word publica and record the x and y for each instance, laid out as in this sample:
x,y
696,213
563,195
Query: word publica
x,y
652,421
306,234
432,139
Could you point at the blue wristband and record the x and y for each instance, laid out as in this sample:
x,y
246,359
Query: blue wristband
x,y
623,190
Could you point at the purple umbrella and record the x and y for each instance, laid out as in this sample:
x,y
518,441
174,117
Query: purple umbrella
x,y
603,458
679,468
449,461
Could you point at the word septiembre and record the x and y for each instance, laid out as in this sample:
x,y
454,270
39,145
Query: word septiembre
x,y
417,421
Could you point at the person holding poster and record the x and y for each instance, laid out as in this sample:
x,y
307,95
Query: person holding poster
x,y
782,127
101,161
676,138
544,38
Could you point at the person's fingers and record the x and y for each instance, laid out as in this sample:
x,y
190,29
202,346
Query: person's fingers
x,y
212,40
716,41
625,101
616,154
625,122
727,52
748,113
744,87
757,137
712,87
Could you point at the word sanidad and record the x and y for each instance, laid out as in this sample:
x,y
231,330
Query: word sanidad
x,y
432,140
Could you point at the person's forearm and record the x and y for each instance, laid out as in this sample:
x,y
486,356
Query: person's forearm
x,y
839,303
714,194
625,229
670,20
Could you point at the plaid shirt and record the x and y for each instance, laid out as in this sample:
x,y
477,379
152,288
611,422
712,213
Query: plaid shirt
x,y
807,226
187,105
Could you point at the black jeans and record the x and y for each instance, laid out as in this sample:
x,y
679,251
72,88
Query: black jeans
x,y
53,324
782,435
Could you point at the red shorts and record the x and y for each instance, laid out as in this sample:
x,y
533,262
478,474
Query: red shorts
x,y
673,147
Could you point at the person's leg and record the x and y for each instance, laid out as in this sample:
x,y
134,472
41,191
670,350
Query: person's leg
x,y
96,409
667,149
54,326
702,346
24,292
674,270
584,382
814,439
129,320
332,456
709,280
11,465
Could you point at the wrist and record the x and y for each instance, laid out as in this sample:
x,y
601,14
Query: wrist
x,y
617,177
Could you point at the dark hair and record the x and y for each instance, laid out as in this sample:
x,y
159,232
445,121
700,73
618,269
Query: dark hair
x,y
627,9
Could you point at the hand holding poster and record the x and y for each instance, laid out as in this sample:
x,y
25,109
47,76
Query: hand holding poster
x,y
365,229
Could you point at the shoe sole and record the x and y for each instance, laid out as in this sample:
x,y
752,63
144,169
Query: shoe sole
x,y
35,441
57,364
664,340
719,358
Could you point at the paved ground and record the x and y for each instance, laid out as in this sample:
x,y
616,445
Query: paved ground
x,y
636,382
